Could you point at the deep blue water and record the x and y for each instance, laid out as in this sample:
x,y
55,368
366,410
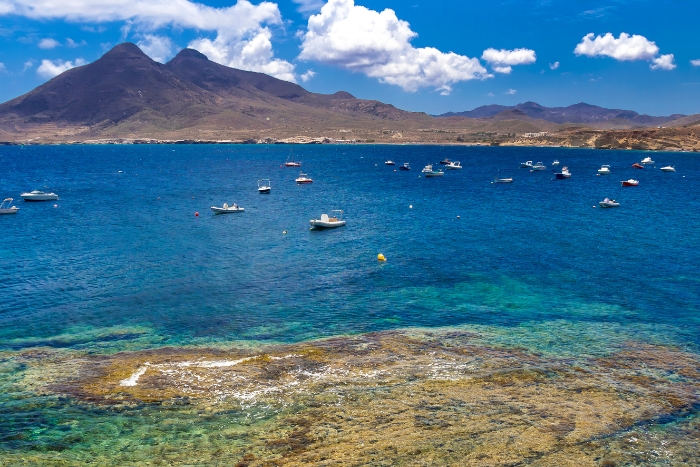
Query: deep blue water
x,y
122,261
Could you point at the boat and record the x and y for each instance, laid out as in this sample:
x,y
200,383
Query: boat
x,y
539,166
668,168
456,165
647,160
630,182
555,163
226,209
5,207
264,186
445,161
326,222
526,165
609,203
637,165
389,162
502,180
429,172
405,166
291,163
303,178
563,174
37,195
604,170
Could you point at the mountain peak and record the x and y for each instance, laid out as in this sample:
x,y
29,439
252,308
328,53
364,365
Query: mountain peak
x,y
125,50
190,53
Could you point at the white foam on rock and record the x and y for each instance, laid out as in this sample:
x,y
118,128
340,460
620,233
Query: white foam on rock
x,y
133,380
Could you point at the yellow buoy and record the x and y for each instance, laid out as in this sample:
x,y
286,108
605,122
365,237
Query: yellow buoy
x,y
380,257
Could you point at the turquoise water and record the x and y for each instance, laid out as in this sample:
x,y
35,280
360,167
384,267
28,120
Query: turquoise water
x,y
122,262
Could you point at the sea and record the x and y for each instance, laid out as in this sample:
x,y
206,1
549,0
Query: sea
x,y
131,259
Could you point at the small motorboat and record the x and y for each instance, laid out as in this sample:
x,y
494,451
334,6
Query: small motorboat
x,y
5,207
326,222
429,172
37,195
555,163
647,160
264,186
303,178
502,180
456,165
563,174
226,209
637,165
609,203
630,182
405,166
526,165
445,161
292,164
604,170
389,162
668,168
539,166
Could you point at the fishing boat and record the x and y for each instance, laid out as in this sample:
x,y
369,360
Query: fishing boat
x,y
668,168
303,178
609,203
429,172
445,161
526,165
5,207
563,174
405,166
226,209
328,222
264,186
389,162
456,165
637,165
647,160
555,163
604,170
539,166
630,182
37,195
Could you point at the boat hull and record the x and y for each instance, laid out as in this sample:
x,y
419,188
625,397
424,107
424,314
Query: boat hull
x,y
264,190
562,176
218,210
31,198
629,184
317,224
603,204
9,211
434,174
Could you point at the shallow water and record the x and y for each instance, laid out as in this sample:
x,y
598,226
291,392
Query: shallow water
x,y
121,263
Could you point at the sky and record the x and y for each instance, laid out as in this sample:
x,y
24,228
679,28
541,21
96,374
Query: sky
x,y
429,56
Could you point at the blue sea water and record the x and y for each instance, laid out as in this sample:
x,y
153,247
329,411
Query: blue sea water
x,y
122,262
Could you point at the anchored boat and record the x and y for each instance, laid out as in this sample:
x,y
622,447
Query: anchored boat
x,y
630,182
5,207
226,209
429,172
303,178
264,186
328,222
609,203
37,195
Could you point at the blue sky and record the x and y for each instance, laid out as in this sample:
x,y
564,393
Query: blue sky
x,y
432,56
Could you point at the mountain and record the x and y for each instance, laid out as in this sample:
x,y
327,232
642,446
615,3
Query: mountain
x,y
577,113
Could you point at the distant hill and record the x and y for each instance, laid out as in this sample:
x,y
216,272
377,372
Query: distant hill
x,y
577,113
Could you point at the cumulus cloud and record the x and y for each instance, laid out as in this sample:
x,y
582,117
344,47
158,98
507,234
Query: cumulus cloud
x,y
510,92
72,44
379,45
625,48
242,36
308,75
49,68
503,60
27,65
663,62
48,43
554,66
159,48
695,62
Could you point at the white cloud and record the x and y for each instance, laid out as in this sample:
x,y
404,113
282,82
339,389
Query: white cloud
x,y
241,29
159,48
72,44
27,65
378,45
663,62
490,94
3,69
308,75
309,6
625,48
510,92
49,69
48,43
554,66
695,62
503,60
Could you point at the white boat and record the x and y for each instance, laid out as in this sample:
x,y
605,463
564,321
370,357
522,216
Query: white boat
x,y
37,195
5,207
647,160
429,172
526,165
630,182
563,174
609,203
326,222
539,166
668,168
604,170
226,209
456,165
264,186
389,162
502,180
555,163
303,178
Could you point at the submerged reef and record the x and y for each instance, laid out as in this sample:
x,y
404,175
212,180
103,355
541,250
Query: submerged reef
x,y
389,398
